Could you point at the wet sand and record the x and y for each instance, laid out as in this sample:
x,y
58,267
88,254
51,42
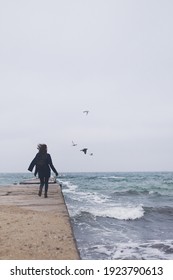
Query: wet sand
x,y
33,227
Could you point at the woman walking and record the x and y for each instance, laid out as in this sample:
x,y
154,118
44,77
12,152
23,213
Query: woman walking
x,y
43,165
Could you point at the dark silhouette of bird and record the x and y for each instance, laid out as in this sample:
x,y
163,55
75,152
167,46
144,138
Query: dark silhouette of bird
x,y
74,144
91,154
84,150
86,112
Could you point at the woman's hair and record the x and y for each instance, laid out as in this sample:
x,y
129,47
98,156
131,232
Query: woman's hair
x,y
42,148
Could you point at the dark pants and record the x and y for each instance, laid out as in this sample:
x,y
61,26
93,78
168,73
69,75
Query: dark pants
x,y
44,181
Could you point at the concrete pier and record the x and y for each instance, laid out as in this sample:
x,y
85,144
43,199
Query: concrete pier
x,y
33,227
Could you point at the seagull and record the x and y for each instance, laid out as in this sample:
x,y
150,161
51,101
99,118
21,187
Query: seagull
x,y
73,144
84,150
86,112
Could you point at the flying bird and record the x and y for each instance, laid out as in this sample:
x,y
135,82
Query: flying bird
x,y
84,150
86,112
74,144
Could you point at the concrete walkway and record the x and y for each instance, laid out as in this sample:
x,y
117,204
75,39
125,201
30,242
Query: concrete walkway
x,y
33,227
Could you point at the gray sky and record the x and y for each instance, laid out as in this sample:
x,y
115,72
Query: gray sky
x,y
111,57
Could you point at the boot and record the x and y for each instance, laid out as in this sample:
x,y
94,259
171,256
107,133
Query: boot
x,y
45,195
40,191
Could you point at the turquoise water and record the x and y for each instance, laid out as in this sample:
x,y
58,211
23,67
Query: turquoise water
x,y
14,178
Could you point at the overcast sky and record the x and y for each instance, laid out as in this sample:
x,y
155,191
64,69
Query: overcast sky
x,y
111,57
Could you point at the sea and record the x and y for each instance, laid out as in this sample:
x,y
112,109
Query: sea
x,y
119,215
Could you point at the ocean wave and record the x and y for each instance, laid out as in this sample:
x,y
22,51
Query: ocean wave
x,y
92,177
135,192
66,185
115,178
120,213
83,196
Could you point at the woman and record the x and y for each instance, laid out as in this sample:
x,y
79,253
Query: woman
x,y
42,163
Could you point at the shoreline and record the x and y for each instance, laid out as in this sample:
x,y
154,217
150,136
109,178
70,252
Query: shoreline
x,y
33,227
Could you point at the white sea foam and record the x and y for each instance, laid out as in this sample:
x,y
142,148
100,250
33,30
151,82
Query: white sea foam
x,y
113,177
151,250
121,213
93,197
70,187
83,196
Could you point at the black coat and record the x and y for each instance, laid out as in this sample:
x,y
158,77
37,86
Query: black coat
x,y
43,170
